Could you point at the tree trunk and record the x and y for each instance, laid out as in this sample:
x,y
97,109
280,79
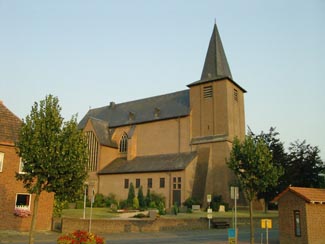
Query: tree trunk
x,y
266,206
251,221
34,216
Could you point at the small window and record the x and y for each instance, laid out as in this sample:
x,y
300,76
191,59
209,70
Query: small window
x,y
149,182
21,167
2,156
235,95
207,91
177,183
137,183
23,201
296,214
124,143
162,183
126,183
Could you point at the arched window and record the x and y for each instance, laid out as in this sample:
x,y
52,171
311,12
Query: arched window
x,y
124,143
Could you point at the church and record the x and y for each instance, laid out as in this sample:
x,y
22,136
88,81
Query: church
x,y
174,144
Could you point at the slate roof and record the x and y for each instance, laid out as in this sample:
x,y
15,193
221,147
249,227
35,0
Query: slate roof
x,y
10,125
156,163
216,66
161,107
310,195
102,132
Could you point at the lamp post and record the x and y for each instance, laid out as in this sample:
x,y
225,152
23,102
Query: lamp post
x,y
85,198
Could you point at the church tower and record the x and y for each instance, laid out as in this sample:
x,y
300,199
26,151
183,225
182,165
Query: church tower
x,y
217,116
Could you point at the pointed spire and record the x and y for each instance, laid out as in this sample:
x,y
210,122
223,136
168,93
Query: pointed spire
x,y
215,65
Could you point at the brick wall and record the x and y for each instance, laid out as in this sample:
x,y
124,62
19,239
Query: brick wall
x,y
9,187
315,214
146,225
312,217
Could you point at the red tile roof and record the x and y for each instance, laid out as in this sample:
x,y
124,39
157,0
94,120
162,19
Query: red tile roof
x,y
310,195
9,125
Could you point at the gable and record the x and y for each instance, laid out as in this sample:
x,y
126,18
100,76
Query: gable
x,y
10,125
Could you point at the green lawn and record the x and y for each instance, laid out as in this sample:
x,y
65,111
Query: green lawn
x,y
104,213
98,213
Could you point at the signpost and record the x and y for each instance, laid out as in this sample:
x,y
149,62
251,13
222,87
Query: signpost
x,y
209,216
234,194
232,236
266,224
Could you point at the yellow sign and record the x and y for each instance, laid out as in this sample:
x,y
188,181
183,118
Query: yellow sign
x,y
266,223
231,240
209,197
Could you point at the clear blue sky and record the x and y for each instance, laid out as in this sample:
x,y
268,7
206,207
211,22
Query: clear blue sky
x,y
88,53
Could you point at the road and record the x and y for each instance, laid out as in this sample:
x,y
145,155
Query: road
x,y
195,236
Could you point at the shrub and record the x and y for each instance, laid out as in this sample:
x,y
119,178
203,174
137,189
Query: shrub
x,y
217,201
80,237
191,201
110,200
135,204
161,208
140,216
79,204
131,195
99,201
142,202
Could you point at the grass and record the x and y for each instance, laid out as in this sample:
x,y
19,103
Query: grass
x,y
97,213
104,213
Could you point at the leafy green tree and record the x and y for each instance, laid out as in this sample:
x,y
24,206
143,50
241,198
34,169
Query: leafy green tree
x,y
54,153
131,195
251,162
142,202
304,165
279,159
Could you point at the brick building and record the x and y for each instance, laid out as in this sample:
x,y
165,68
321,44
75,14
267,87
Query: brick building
x,y
175,144
14,199
301,215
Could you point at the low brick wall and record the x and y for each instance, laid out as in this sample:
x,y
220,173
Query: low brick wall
x,y
147,225
132,225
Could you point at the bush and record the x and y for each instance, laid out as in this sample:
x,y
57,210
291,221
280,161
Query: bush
x,y
59,206
135,203
110,200
140,216
99,201
217,201
191,201
141,198
80,237
79,204
161,208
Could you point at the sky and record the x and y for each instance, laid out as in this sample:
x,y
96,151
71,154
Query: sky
x,y
89,53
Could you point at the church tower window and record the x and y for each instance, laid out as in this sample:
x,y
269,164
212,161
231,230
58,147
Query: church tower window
x,y
207,92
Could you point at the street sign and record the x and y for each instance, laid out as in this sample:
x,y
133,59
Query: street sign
x,y
209,198
266,223
231,236
234,192
209,213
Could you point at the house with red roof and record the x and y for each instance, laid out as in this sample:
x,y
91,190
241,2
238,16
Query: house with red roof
x,y
16,203
301,215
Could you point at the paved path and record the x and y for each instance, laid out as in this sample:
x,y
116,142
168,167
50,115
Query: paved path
x,y
196,236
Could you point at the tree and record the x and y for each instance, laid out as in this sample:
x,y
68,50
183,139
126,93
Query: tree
x,y
131,195
279,159
251,162
142,202
54,153
304,165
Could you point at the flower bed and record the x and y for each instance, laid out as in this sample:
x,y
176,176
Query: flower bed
x,y
80,237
